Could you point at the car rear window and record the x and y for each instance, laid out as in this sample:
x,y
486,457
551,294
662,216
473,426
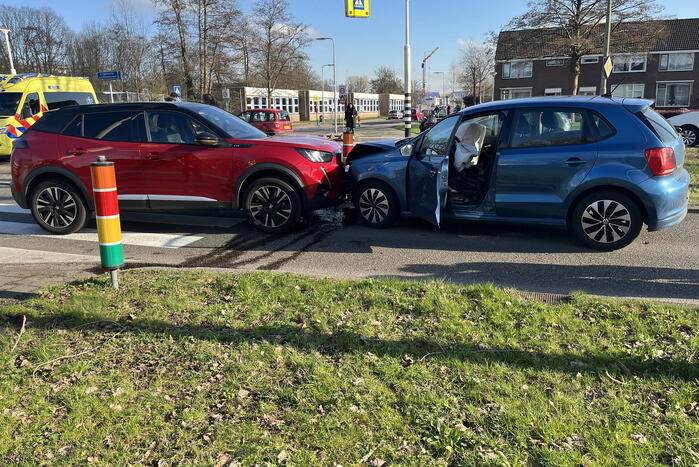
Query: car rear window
x,y
284,116
53,122
658,125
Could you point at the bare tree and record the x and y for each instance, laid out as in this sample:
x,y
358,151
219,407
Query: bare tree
x,y
576,23
40,39
476,66
386,81
173,22
281,42
358,84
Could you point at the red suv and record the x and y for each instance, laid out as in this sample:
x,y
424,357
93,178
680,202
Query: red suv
x,y
270,121
170,156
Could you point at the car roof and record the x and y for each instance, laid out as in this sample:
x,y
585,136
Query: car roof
x,y
566,101
264,110
132,106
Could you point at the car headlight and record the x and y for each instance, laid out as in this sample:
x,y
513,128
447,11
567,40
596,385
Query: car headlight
x,y
314,155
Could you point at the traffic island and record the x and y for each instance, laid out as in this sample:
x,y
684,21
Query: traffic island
x,y
200,367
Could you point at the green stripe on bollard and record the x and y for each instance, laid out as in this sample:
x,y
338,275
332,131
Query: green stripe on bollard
x,y
112,256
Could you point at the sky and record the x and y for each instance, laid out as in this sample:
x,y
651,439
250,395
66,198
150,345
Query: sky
x,y
364,44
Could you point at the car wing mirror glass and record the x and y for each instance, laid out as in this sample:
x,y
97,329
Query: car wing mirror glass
x,y
406,149
207,139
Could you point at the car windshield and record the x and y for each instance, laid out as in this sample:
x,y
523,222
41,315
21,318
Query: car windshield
x,y
9,102
234,127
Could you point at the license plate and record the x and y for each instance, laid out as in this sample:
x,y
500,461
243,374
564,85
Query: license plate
x,y
287,127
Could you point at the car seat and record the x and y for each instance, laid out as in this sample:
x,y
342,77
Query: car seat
x,y
469,139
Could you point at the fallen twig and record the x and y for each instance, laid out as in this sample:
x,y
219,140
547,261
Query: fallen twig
x,y
92,349
21,331
606,372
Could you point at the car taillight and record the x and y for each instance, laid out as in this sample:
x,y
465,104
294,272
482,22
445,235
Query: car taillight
x,y
276,124
661,160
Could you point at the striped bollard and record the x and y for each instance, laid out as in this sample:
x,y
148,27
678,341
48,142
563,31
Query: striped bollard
x,y
107,214
347,144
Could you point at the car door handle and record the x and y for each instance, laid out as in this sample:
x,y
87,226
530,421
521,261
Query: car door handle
x,y
434,172
574,162
76,152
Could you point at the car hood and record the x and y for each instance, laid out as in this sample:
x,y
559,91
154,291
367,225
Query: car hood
x,y
310,141
381,148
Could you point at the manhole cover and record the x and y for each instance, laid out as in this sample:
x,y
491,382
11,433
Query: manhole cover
x,y
548,298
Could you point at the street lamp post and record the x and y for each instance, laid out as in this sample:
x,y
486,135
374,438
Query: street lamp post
x,y
607,41
334,65
322,90
9,50
407,85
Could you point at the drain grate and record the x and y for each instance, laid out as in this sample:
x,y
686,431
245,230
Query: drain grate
x,y
547,298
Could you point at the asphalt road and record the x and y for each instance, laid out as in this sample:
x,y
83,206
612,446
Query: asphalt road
x,y
659,265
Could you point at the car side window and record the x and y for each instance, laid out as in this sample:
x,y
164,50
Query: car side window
x,y
32,106
174,128
75,127
245,116
436,140
110,126
549,127
600,128
493,126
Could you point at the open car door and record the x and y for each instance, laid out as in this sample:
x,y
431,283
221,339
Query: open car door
x,y
428,171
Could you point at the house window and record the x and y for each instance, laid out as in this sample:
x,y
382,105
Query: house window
x,y
628,90
515,93
677,62
587,91
554,62
589,60
552,92
512,70
629,63
675,94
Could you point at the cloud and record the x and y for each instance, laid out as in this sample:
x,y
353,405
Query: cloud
x,y
311,31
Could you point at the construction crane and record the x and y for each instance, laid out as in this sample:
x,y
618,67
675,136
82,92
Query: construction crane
x,y
424,74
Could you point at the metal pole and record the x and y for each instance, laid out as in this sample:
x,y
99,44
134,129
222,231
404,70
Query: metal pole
x,y
334,86
607,46
322,93
424,84
113,274
407,86
9,51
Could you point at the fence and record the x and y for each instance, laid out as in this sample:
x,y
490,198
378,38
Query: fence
x,y
128,96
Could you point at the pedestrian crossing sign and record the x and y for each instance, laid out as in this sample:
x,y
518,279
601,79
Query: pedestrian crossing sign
x,y
357,8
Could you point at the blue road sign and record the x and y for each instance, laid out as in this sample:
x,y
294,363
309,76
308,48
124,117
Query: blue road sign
x,y
109,75
177,90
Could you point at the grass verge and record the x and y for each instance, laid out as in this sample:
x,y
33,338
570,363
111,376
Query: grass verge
x,y
279,369
692,165
415,127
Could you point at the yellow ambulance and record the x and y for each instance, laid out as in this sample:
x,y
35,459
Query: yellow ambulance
x,y
24,98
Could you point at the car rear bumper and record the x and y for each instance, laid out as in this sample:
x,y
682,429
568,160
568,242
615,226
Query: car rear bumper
x,y
670,197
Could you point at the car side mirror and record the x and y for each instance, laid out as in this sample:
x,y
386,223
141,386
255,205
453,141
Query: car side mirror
x,y
406,150
207,139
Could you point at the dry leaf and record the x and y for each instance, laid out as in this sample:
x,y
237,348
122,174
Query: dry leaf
x,y
243,393
639,438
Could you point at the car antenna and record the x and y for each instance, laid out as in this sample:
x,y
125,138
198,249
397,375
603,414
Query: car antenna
x,y
610,93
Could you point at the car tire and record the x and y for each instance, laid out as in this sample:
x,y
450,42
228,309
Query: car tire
x,y
690,135
58,207
376,204
606,220
272,205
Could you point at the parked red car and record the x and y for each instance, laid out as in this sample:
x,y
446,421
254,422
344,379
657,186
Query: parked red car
x,y
170,156
271,121
415,114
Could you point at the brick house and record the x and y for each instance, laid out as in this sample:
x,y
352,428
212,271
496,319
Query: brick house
x,y
661,67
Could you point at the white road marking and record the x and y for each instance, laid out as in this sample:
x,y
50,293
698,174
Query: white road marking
x,y
22,256
156,240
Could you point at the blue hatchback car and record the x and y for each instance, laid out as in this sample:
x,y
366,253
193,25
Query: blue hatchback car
x,y
602,167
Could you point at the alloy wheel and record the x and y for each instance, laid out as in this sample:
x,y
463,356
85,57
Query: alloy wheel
x,y
689,136
56,207
373,205
606,221
270,206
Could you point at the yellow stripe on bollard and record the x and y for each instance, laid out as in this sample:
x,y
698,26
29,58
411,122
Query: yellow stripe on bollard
x,y
108,229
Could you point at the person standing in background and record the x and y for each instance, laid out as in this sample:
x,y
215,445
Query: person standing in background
x,y
350,114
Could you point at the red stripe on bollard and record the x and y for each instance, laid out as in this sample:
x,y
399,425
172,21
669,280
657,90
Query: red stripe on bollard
x,y
106,203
